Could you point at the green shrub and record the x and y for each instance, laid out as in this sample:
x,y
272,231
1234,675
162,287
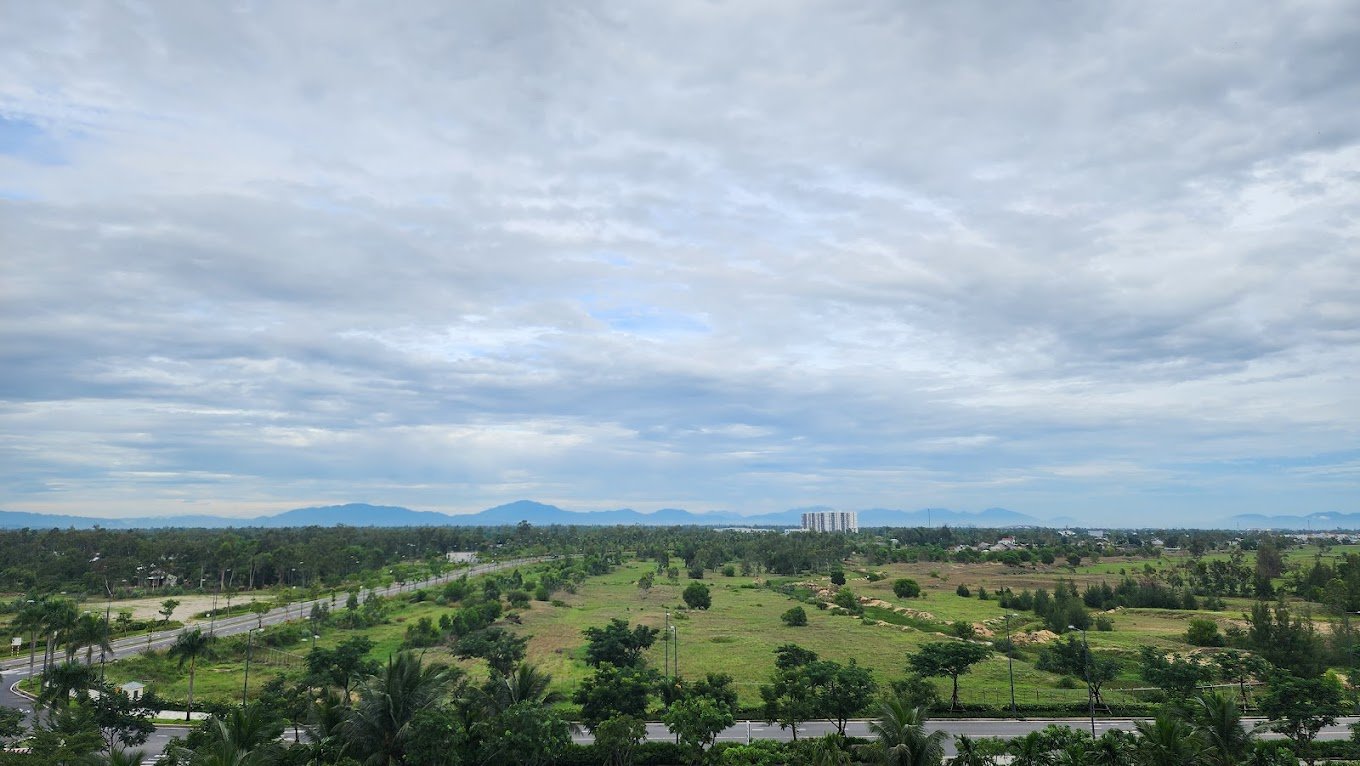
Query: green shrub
x,y
906,588
963,591
795,617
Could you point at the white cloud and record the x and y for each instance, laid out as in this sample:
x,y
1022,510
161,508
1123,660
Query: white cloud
x,y
745,257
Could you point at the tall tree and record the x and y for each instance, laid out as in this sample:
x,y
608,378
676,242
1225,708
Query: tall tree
x,y
948,658
189,647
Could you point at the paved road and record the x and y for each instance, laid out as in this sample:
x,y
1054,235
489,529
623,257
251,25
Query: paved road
x,y
15,669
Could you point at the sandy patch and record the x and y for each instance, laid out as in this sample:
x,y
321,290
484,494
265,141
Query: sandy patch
x,y
144,608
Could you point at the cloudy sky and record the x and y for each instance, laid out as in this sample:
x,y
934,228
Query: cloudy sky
x,y
1098,260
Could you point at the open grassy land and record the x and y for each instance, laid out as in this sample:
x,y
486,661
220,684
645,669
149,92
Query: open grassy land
x,y
739,633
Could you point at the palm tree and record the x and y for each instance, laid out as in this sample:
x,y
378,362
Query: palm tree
x,y
827,751
526,684
379,723
31,620
902,737
59,682
1074,754
59,617
246,736
1112,748
1029,750
325,721
188,647
970,753
1218,721
120,757
90,631
1166,741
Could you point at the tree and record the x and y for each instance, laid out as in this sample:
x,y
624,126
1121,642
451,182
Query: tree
x,y
697,596
948,658
501,649
91,632
244,736
525,734
789,699
906,588
1179,677
1166,741
845,692
339,667
121,720
901,738
188,647
619,737
378,727
1069,656
168,607
61,681
838,577
526,683
1299,708
1240,667
613,691
617,645
259,609
1203,632
1218,722
697,721
795,617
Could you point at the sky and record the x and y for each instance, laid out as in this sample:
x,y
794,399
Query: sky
x,y
1097,260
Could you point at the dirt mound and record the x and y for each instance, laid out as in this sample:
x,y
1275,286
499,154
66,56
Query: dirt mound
x,y
902,610
1037,637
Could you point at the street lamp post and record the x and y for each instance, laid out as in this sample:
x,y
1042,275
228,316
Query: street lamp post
x,y
245,685
675,651
1086,665
1010,663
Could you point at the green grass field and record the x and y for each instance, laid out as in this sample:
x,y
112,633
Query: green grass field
x,y
739,633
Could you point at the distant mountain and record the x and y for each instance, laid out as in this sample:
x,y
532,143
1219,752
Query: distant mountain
x,y
1313,521
351,515
538,514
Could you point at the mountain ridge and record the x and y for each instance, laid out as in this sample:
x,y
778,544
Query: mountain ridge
x,y
541,514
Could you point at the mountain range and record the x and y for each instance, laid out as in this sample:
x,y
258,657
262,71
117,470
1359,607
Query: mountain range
x,y
540,514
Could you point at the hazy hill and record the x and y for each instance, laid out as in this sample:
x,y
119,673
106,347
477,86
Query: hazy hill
x,y
540,514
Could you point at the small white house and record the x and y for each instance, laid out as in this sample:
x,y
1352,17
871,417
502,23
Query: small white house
x,y
133,689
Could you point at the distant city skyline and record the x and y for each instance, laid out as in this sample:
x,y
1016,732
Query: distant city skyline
x,y
1097,261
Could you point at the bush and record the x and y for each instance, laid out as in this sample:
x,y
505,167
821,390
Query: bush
x,y
795,617
696,573
1104,623
696,596
729,571
982,594
1203,632
845,599
962,590
1067,682
905,588
837,577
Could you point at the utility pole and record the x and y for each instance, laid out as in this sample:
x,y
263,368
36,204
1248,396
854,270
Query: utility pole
x,y
1086,663
245,685
1010,663
666,647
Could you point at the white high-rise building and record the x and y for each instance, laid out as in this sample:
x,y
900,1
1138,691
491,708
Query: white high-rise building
x,y
831,521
